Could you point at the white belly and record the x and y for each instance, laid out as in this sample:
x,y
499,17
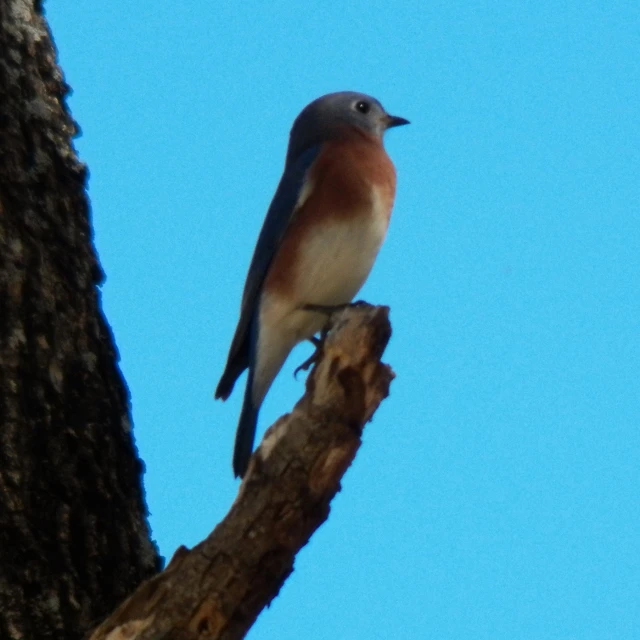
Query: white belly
x,y
335,261
334,265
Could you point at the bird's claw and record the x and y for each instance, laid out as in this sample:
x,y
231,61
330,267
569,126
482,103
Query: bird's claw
x,y
315,356
318,342
312,359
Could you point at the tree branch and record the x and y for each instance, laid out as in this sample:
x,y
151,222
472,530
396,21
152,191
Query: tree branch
x,y
218,588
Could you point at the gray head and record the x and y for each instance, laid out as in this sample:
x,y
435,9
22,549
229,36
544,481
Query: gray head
x,y
330,113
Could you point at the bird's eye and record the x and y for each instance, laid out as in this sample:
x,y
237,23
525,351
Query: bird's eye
x,y
363,107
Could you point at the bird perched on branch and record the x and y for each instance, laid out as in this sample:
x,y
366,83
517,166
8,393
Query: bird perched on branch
x,y
324,227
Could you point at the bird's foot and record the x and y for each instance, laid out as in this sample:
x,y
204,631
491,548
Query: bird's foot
x,y
318,343
328,310
312,359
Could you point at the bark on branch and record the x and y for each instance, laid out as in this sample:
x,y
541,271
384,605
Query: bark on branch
x,y
218,588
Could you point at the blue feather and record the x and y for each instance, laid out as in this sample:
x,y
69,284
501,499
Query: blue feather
x,y
276,222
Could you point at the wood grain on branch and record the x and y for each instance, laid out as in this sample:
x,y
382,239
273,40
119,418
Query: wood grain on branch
x,y
218,588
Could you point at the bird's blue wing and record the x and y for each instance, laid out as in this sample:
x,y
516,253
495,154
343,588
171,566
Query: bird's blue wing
x,y
276,222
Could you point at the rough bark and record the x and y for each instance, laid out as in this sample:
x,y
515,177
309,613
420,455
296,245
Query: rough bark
x,y
73,535
217,589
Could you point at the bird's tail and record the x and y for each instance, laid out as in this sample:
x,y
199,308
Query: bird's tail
x,y
246,433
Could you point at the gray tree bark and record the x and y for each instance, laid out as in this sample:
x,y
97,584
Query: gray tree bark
x,y
73,534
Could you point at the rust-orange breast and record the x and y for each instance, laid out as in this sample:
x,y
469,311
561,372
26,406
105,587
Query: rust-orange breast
x,y
349,174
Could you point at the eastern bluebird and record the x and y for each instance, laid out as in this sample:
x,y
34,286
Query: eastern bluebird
x,y
323,230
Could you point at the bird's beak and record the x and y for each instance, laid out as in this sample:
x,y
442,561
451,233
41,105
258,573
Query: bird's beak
x,y
395,121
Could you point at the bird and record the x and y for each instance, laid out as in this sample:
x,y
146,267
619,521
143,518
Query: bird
x,y
320,237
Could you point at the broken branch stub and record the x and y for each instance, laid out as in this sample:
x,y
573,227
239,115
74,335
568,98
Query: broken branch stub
x,y
217,589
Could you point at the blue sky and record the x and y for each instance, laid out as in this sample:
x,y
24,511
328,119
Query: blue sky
x,y
496,494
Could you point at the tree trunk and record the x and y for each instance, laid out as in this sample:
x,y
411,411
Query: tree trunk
x,y
73,534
